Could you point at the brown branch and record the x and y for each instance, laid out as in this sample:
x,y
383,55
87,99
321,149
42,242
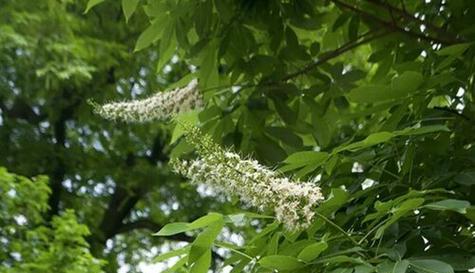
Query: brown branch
x,y
70,103
121,203
390,25
325,57
365,38
390,11
21,110
403,13
157,154
453,112
403,6
57,176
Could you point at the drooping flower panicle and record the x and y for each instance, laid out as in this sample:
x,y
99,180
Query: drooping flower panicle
x,y
161,106
293,202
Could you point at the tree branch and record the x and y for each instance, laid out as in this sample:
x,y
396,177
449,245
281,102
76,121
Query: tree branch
x,y
120,205
453,112
404,14
59,131
390,25
21,110
325,57
365,38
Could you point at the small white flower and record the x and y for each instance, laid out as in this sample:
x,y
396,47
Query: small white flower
x,y
293,202
160,106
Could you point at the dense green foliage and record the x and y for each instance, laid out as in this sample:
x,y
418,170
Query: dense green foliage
x,y
29,244
371,100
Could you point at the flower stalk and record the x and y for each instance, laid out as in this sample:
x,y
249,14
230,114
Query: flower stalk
x,y
161,106
293,202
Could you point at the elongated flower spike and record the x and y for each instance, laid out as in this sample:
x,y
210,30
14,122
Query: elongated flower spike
x,y
293,202
161,106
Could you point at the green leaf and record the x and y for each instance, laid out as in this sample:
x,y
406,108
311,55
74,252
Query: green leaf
x,y
181,262
151,34
183,118
465,178
91,4
172,229
294,248
208,73
273,244
340,259
181,148
459,206
315,48
167,46
398,212
341,20
204,240
173,253
342,270
371,140
430,266
128,7
238,218
408,205
179,227
280,262
224,9
454,50
401,86
364,269
331,163
335,200
369,93
406,83
267,230
181,82
422,130
353,27
471,214
270,151
312,251
302,159
206,220
322,129
202,264
400,266
459,260
382,137
286,135
285,111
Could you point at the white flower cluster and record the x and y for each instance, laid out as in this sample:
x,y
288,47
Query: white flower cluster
x,y
256,185
160,106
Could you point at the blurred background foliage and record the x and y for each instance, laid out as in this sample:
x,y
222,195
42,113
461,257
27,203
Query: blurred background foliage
x,y
370,99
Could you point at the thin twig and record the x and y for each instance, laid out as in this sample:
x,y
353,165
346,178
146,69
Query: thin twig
x,y
390,25
411,17
453,112
223,245
373,229
403,6
390,11
333,54
325,57
330,222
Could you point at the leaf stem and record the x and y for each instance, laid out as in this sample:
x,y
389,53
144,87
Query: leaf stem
x,y
333,224
219,244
